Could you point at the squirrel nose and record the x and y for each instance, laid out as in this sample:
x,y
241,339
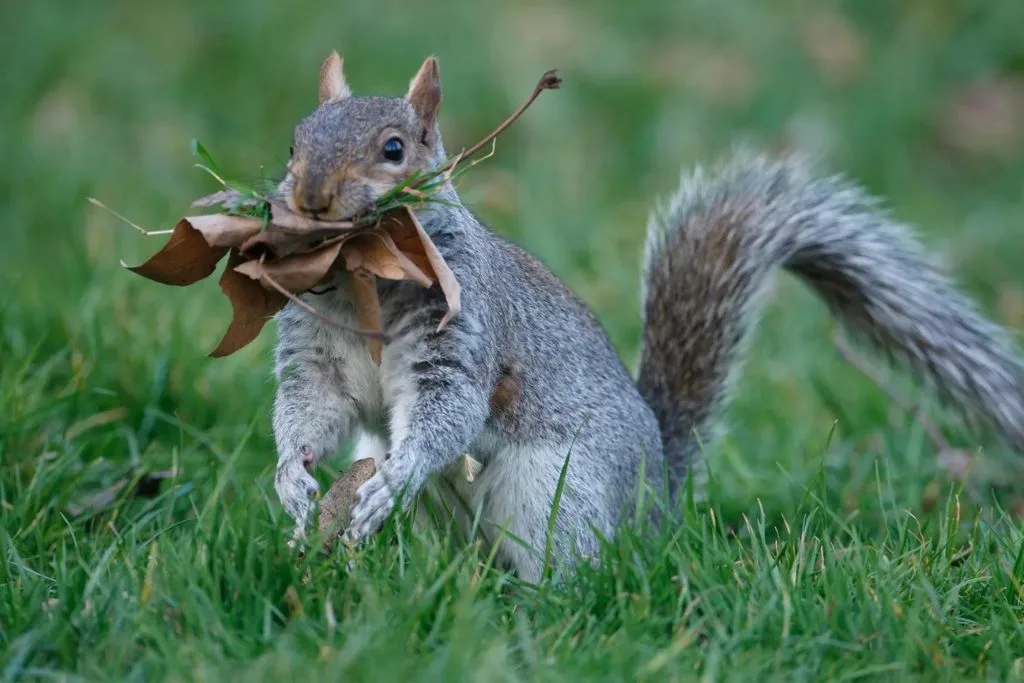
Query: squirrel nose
x,y
312,200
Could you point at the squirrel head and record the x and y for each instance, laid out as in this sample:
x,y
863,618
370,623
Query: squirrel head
x,y
352,150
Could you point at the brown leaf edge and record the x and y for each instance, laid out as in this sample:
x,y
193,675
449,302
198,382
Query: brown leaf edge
x,y
363,288
263,273
252,305
445,277
297,273
185,258
223,230
378,253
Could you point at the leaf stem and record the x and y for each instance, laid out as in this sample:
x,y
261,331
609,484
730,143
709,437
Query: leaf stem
x,y
317,314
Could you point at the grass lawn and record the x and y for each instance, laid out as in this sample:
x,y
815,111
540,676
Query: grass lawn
x,y
830,544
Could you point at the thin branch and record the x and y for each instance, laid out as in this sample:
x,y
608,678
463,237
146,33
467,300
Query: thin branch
x,y
549,81
450,174
317,314
449,168
96,202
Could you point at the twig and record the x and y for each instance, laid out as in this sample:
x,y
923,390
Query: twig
x,y
449,168
854,359
450,173
317,314
96,202
549,81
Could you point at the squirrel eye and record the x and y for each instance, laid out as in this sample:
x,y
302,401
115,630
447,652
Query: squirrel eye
x,y
393,150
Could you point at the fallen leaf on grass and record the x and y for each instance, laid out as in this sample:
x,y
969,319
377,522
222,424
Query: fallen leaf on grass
x,y
98,500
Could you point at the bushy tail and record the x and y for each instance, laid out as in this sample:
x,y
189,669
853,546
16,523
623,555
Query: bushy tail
x,y
710,254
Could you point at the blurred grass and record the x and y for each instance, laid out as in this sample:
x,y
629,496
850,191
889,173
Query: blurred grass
x,y
104,377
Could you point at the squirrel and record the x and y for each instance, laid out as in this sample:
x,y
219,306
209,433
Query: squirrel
x,y
525,376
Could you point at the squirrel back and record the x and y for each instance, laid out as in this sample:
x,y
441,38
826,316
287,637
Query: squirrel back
x,y
709,257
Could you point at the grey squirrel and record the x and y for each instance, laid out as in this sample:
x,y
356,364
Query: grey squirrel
x,y
525,373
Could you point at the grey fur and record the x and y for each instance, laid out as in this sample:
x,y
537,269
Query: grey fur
x,y
712,251
708,258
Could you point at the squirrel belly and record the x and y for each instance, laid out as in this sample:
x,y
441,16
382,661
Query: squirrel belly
x,y
711,252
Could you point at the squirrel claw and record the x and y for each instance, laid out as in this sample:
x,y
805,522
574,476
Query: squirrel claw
x,y
374,502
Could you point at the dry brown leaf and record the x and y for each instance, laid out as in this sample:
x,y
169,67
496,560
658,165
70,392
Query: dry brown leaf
x,y
445,276
407,239
363,288
289,234
298,273
278,243
283,218
985,117
185,259
376,252
252,305
221,230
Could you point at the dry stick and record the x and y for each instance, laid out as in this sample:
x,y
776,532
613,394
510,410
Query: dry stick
x,y
96,202
549,81
317,314
854,359
451,170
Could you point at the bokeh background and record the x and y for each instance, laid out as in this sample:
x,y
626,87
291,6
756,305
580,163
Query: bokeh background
x,y
103,374
920,101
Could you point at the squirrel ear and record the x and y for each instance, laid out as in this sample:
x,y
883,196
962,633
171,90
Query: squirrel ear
x,y
332,79
425,92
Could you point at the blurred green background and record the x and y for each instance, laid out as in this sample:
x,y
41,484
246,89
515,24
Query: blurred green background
x,y
103,375
922,101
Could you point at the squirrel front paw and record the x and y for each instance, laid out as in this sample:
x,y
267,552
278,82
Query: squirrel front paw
x,y
376,499
296,488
